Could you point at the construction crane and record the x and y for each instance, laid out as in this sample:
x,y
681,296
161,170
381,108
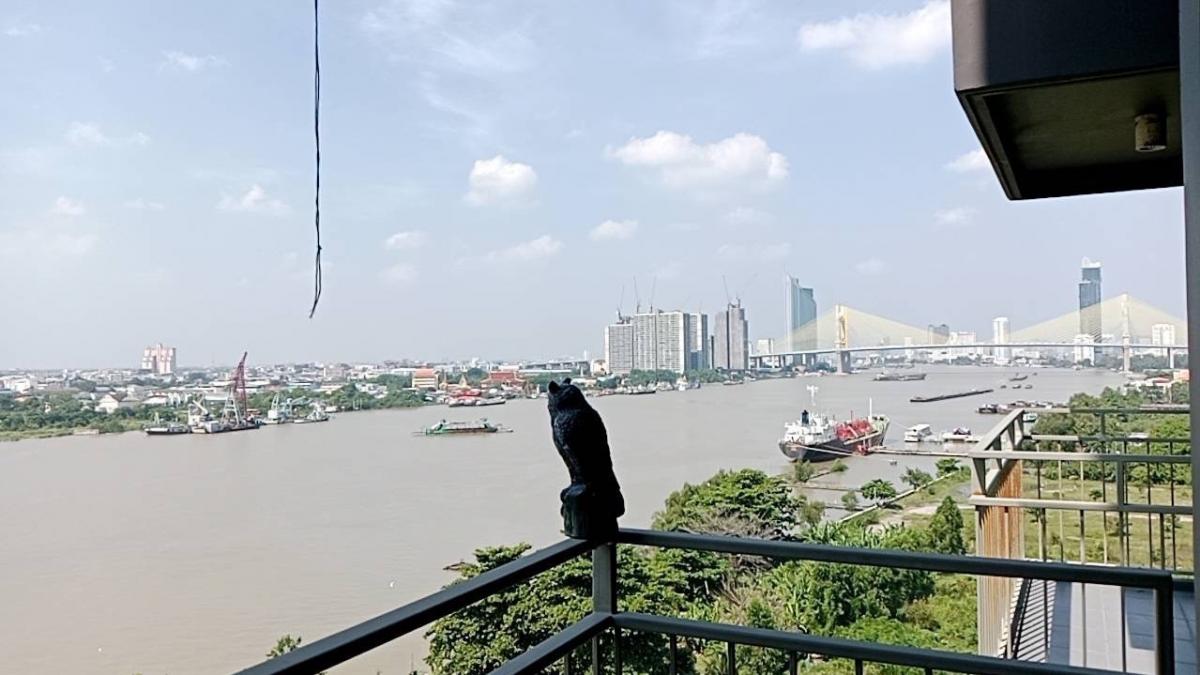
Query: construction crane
x,y
237,386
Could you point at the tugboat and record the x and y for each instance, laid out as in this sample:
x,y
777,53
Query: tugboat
x,y
445,428
816,437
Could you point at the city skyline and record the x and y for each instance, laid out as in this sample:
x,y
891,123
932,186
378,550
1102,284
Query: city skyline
x,y
478,160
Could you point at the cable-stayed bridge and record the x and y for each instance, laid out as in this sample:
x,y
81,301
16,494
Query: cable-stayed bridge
x,y
1119,323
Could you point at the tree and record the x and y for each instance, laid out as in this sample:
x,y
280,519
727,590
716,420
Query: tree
x,y
878,490
283,645
916,478
812,512
803,471
850,501
479,638
839,466
946,529
947,466
747,502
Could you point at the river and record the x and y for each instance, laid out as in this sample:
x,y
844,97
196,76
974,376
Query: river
x,y
131,554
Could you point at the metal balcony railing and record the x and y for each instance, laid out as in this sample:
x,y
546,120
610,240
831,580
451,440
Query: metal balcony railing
x,y
1106,497
606,617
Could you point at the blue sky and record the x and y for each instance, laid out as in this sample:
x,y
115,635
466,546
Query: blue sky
x,y
494,173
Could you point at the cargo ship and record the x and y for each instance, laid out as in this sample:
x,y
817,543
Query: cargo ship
x,y
946,397
445,428
817,437
899,377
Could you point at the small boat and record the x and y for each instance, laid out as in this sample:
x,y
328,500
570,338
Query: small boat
x,y
988,409
918,433
642,390
1018,378
317,414
959,435
1029,386
490,400
730,383
445,428
160,428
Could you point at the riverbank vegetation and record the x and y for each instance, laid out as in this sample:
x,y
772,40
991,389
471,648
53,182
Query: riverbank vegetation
x,y
862,602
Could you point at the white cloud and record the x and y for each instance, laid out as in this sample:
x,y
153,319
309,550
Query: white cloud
x,y
255,200
759,253
471,37
959,215
976,160
671,270
22,29
176,60
745,215
65,206
402,241
141,204
614,229
498,180
87,134
399,274
35,245
876,41
740,161
870,267
544,246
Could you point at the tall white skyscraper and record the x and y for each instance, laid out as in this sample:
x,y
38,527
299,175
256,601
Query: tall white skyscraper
x,y
699,342
1003,355
158,359
1085,349
1162,334
652,341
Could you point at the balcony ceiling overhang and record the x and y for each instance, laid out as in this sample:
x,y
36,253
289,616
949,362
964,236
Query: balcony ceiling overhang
x,y
1052,88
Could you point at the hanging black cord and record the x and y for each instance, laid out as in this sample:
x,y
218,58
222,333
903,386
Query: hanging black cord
x,y
317,139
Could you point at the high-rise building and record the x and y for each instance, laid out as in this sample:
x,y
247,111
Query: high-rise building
x,y
801,316
1085,349
1162,334
1002,355
939,334
158,359
618,346
699,342
1090,320
730,342
764,346
652,341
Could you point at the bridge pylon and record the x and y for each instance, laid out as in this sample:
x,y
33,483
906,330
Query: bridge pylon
x,y
842,341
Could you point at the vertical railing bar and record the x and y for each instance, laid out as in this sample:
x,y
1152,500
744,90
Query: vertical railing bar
x,y
567,665
1083,623
1124,634
673,666
858,667
793,663
730,658
618,666
1149,517
596,655
1082,536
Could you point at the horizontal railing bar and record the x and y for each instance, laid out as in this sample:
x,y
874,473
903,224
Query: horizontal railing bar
x,y
1155,409
1072,438
346,644
880,557
553,648
1083,456
1002,426
842,648
1067,505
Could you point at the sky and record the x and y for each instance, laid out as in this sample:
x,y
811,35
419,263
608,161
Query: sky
x,y
496,175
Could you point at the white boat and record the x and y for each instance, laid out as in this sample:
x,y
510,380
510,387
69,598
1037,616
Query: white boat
x,y
959,435
918,433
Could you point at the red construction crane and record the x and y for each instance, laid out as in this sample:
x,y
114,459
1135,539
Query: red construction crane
x,y
238,384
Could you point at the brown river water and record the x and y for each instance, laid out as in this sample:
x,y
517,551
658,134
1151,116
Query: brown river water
x,y
132,554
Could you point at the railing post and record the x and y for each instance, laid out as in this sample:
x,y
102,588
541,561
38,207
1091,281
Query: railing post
x,y
604,596
1164,628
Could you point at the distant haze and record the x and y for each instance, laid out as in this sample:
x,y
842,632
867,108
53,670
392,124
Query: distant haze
x,y
497,173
